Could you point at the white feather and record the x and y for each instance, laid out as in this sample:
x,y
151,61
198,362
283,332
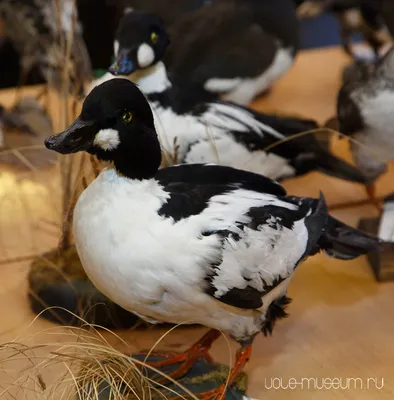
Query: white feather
x,y
243,90
222,85
107,139
378,116
145,55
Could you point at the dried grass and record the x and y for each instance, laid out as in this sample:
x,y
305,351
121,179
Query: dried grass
x,y
80,366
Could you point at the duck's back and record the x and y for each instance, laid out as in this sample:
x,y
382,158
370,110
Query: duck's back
x,y
231,38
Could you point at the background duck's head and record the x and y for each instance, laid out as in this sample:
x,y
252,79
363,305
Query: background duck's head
x,y
116,124
141,41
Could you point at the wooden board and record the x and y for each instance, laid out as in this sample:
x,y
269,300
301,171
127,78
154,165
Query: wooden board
x,y
341,323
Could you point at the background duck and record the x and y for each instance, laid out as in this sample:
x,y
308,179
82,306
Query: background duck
x,y
365,112
38,30
235,49
218,132
195,243
355,17
170,15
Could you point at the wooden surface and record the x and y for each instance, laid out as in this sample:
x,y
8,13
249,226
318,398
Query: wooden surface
x,y
341,321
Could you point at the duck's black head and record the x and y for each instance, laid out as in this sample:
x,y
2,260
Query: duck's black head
x,y
140,42
116,124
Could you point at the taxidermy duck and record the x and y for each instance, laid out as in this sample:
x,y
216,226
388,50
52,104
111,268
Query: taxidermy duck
x,y
38,29
365,112
235,49
219,132
355,17
194,243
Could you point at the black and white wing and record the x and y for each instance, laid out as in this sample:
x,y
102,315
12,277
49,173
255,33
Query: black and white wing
x,y
191,186
256,134
262,233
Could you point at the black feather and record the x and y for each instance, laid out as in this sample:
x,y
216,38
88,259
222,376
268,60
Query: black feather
x,y
191,186
275,312
344,242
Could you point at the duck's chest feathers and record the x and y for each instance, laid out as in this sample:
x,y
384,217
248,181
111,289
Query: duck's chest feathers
x,y
130,252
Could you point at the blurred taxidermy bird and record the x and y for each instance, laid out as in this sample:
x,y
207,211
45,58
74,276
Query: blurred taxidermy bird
x,y
234,49
216,131
365,108
355,17
22,129
39,31
194,243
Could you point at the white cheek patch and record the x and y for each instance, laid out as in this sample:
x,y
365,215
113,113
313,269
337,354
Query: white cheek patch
x,y
107,139
145,55
116,48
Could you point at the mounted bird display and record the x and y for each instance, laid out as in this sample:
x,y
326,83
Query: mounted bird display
x,y
355,17
365,112
39,31
193,243
234,49
216,131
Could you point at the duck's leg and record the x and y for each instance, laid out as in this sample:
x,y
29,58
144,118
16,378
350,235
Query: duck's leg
x,y
241,359
187,359
371,192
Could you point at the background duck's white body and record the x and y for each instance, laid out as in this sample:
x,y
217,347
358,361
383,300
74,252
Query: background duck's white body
x,y
242,90
156,267
206,139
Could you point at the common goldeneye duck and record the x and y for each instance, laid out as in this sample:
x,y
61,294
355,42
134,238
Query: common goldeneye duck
x,y
233,49
365,112
193,243
217,132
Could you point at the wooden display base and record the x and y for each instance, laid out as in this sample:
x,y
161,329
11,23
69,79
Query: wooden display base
x,y
202,377
382,260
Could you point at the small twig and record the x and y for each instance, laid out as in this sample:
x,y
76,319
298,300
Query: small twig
x,y
95,167
66,238
23,159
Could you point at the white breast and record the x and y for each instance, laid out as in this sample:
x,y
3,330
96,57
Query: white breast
x,y
377,113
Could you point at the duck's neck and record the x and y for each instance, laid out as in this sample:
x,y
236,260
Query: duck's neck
x,y
138,157
153,79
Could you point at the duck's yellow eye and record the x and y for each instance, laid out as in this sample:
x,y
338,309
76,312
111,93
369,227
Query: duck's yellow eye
x,y
153,37
127,117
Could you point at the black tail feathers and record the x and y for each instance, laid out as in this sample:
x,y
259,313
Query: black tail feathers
x,y
344,242
334,166
335,238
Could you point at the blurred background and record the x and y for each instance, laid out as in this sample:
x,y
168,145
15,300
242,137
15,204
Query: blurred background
x,y
99,19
